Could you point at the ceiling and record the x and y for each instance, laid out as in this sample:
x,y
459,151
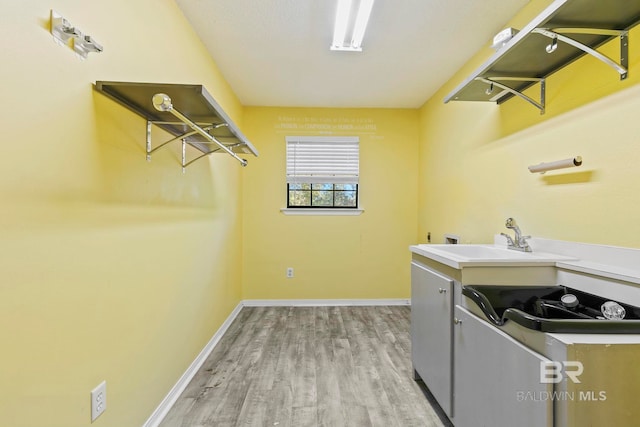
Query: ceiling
x,y
276,52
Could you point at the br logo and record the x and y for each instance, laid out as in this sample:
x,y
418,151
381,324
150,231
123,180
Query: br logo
x,y
554,372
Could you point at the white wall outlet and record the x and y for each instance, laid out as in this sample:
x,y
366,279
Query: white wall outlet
x,y
98,400
289,272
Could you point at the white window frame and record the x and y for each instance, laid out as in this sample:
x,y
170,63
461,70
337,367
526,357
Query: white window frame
x,y
311,173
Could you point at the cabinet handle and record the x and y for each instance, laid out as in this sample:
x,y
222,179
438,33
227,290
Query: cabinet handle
x,y
442,291
457,321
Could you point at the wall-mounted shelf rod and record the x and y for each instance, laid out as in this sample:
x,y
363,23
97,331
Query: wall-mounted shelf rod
x,y
162,102
558,164
212,125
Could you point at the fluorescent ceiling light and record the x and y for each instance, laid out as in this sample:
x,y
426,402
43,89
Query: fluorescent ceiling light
x,y
343,20
362,19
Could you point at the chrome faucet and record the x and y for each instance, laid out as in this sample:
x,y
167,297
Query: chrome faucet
x,y
519,243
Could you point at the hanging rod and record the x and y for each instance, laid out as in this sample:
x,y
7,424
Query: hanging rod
x,y
162,102
555,34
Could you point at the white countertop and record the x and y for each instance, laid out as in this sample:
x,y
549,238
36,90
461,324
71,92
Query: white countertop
x,y
606,339
462,256
610,262
603,270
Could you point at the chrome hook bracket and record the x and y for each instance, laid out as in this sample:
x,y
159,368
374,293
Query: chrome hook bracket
x,y
489,90
553,46
63,31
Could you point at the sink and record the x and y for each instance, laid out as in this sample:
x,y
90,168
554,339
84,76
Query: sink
x,y
458,256
481,252
539,308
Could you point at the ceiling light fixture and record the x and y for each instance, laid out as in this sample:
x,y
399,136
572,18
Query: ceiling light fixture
x,y
343,20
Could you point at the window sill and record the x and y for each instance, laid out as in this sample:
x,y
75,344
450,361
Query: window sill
x,y
321,212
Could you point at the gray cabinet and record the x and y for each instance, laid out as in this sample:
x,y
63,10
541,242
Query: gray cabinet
x,y
431,315
497,379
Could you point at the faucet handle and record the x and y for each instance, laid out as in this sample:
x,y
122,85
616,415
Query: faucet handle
x,y
509,239
524,244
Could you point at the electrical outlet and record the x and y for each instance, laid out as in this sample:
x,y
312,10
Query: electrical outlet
x,y
289,272
98,400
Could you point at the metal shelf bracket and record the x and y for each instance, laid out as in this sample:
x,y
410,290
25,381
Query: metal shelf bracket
x,y
184,154
495,81
149,146
162,102
556,34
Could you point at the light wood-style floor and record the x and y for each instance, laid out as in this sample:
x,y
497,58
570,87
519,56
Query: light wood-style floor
x,y
308,366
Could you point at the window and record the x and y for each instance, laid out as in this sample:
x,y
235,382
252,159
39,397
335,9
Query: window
x,y
322,172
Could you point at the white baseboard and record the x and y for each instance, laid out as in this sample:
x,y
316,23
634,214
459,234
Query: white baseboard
x,y
321,302
170,399
161,411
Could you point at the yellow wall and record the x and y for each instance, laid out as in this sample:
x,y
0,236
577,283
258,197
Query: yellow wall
x,y
474,156
334,257
112,268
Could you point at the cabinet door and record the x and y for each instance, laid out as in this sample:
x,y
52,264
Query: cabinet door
x,y
431,307
496,379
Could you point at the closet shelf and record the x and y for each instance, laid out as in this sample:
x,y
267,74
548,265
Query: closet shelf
x,y
188,112
565,31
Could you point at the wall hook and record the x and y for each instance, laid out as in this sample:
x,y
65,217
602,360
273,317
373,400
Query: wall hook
x,y
63,31
489,90
551,47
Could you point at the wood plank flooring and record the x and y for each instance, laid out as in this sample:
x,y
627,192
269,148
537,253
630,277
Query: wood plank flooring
x,y
308,366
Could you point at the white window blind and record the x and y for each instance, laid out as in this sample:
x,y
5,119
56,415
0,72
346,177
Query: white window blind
x,y
323,159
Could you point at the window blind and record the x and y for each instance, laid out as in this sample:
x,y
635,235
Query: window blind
x,y
323,160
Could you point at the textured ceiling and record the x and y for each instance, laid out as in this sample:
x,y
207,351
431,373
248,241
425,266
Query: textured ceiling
x,y
276,52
